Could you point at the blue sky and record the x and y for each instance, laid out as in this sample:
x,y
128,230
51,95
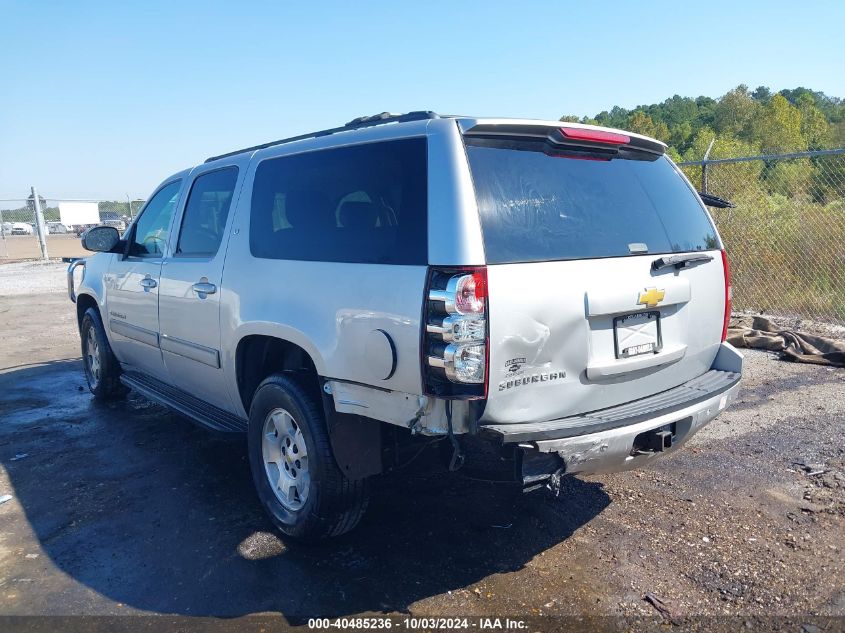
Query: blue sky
x,y
105,99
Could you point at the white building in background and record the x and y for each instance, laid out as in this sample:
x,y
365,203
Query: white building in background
x,y
74,214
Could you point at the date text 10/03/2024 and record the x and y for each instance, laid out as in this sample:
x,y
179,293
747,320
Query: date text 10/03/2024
x,y
445,624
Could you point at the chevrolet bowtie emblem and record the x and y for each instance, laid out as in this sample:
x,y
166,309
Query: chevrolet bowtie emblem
x,y
651,297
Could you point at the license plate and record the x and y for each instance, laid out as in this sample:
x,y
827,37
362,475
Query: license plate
x,y
636,334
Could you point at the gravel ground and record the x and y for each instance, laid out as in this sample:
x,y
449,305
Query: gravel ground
x,y
31,278
125,508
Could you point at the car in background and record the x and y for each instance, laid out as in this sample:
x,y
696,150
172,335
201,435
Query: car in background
x,y
79,229
56,228
22,228
110,218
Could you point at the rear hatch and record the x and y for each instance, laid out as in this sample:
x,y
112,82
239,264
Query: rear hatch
x,y
605,273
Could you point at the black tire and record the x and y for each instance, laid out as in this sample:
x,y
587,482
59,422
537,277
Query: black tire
x,y
333,504
103,376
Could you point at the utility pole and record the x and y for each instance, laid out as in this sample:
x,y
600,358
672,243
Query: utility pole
x,y
3,235
40,225
704,182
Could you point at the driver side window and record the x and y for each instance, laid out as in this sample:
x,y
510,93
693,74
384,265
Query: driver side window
x,y
151,228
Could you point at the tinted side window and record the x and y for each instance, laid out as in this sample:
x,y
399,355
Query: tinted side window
x,y
360,204
151,228
206,212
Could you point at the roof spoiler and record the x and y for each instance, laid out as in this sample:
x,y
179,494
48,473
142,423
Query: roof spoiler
x,y
582,137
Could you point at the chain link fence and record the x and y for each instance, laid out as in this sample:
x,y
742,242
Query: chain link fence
x,y
64,220
785,236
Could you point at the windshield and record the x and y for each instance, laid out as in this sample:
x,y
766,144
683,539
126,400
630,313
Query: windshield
x,y
537,206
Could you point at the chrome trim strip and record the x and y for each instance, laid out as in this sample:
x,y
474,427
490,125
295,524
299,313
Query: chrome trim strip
x,y
135,332
194,351
441,330
434,361
447,296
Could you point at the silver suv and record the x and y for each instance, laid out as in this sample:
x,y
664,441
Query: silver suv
x,y
519,299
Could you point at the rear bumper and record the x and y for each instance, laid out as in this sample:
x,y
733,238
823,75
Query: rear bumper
x,y
604,441
613,450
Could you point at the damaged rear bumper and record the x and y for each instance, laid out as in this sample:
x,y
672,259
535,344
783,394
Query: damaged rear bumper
x,y
630,435
619,449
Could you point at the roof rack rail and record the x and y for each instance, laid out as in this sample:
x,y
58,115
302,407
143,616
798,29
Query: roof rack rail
x,y
354,124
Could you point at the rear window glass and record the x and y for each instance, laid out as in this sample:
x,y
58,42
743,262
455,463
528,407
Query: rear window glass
x,y
536,206
358,204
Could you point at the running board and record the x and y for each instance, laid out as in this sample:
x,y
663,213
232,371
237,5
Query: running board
x,y
200,412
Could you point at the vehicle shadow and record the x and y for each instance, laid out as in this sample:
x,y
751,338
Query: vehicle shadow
x,y
154,513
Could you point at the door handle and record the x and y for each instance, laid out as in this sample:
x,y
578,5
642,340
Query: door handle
x,y
148,282
204,288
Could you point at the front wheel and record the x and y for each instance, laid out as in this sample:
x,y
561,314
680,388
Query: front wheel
x,y
102,370
293,468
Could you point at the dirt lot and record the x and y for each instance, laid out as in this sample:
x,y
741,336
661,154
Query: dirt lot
x,y
19,247
125,508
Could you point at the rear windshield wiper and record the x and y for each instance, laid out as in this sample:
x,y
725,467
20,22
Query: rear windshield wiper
x,y
715,201
679,261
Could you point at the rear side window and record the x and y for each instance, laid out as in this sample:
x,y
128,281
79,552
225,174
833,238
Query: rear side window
x,y
358,204
536,206
206,212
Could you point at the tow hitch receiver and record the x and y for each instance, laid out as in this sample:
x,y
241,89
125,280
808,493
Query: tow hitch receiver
x,y
654,441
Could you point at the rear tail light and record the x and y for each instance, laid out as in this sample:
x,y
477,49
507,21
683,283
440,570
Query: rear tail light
x,y
455,341
728,295
470,292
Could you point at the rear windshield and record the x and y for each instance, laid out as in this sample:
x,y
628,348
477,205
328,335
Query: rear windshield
x,y
536,206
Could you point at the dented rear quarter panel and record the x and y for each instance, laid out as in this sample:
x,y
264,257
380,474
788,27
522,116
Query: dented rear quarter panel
x,y
330,309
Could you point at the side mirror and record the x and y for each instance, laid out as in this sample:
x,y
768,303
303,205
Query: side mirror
x,y
101,239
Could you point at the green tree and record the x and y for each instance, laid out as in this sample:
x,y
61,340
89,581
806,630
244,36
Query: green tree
x,y
761,94
837,134
679,134
814,126
706,111
730,180
672,153
640,123
735,112
676,110
617,117
759,117
699,144
778,128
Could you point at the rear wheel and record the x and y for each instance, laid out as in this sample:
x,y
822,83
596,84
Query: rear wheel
x,y
102,370
293,468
